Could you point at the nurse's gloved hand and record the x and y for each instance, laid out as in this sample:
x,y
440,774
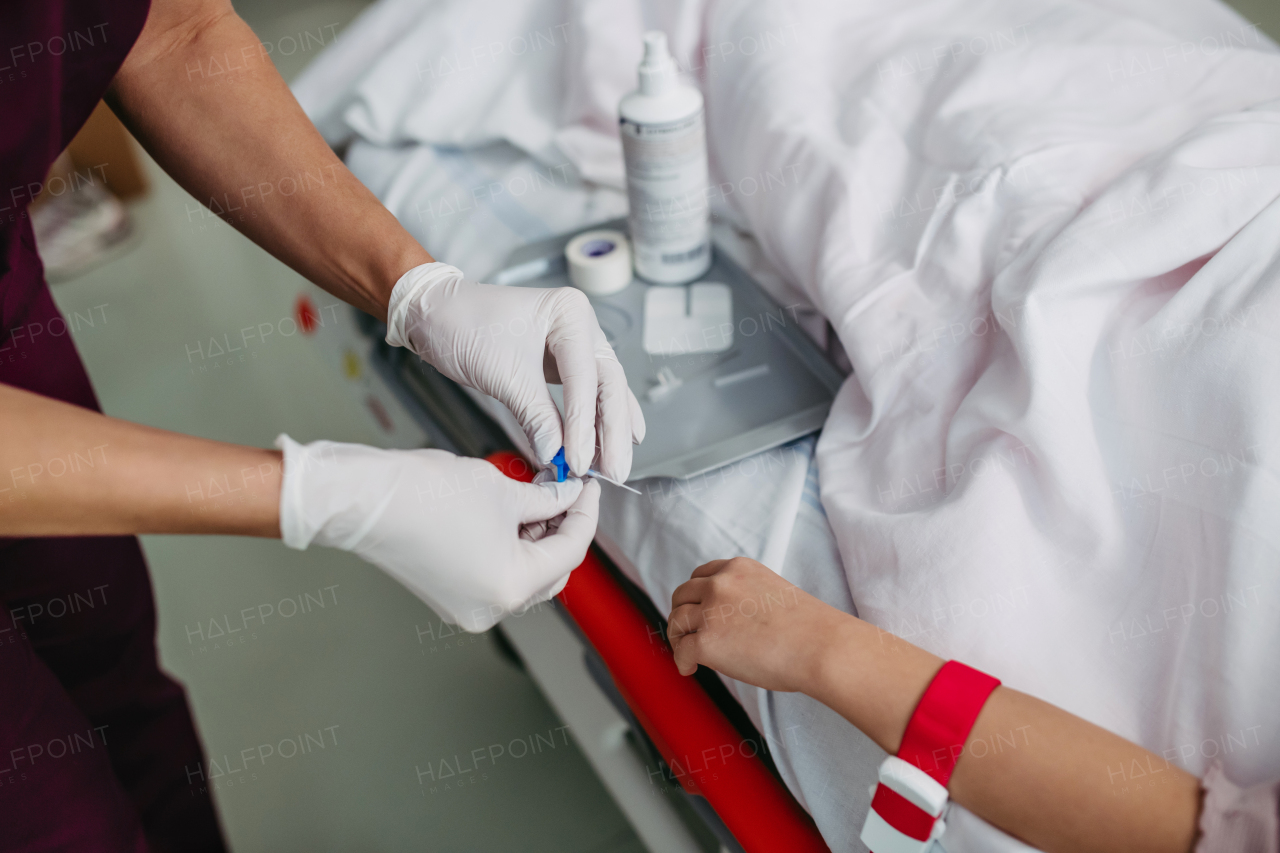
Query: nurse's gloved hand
x,y
469,541
509,342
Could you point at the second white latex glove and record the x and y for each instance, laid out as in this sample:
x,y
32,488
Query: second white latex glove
x,y
469,541
509,342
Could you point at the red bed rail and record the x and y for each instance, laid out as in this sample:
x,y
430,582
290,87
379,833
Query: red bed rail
x,y
700,745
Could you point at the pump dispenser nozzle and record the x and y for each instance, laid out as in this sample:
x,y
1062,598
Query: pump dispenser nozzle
x,y
658,68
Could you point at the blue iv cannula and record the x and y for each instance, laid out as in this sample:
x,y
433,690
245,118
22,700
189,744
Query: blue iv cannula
x,y
562,471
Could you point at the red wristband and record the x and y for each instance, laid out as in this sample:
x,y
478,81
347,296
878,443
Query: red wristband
x,y
940,725
908,803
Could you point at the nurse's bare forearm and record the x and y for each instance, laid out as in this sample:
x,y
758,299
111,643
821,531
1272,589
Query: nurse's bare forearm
x,y
204,99
1030,768
67,471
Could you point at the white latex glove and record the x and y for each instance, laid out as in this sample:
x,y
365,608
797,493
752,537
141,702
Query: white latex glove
x,y
509,342
469,541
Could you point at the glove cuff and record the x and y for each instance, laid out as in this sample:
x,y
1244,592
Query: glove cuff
x,y
409,293
296,531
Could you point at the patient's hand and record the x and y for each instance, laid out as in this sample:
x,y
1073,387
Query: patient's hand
x,y
738,617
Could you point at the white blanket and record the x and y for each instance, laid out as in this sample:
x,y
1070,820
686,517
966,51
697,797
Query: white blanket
x,y
1048,237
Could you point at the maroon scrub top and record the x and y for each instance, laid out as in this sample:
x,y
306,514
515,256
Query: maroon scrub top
x,y
56,62
98,750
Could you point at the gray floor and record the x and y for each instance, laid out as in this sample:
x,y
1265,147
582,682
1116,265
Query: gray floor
x,y
368,684
1264,13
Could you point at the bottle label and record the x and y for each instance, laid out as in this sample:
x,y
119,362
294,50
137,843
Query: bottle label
x,y
667,191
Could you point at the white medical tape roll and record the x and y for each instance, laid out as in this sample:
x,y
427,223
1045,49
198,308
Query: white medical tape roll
x,y
599,262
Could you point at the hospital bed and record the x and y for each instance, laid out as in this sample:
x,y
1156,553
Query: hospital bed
x,y
973,242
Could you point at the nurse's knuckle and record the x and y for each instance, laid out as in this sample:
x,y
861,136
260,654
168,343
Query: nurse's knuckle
x,y
610,393
573,301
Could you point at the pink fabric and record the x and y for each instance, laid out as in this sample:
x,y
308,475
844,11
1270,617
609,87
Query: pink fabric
x,y
1238,820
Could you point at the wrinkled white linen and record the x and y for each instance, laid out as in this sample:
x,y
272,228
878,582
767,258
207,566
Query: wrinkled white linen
x,y
1055,273
1045,234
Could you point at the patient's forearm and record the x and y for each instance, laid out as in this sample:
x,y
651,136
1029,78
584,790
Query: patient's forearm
x,y
206,102
67,471
1030,768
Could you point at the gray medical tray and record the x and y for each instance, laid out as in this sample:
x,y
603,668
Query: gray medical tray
x,y
770,387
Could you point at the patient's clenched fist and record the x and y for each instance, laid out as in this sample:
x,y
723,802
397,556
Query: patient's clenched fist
x,y
740,618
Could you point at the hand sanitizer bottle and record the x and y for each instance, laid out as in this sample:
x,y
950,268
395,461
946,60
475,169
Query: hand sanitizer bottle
x,y
664,146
